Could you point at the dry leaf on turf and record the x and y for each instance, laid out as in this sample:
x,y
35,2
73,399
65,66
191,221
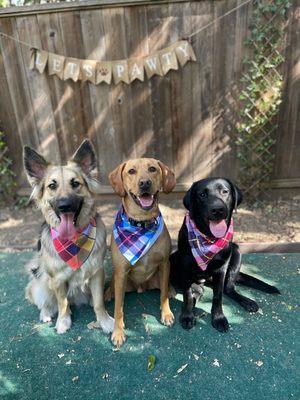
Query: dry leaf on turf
x,y
181,368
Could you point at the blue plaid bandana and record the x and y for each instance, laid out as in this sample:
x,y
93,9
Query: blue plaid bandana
x,y
135,241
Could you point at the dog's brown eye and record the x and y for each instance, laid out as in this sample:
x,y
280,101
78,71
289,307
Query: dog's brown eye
x,y
152,169
75,184
52,186
131,171
203,194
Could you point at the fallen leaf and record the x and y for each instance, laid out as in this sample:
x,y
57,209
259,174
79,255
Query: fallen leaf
x,y
105,375
151,362
61,355
69,362
94,325
182,368
196,357
259,363
75,378
216,362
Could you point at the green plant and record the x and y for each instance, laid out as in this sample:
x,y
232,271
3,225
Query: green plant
x,y
261,94
7,177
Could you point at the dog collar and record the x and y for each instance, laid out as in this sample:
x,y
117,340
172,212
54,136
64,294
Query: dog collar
x,y
204,248
76,251
143,224
134,240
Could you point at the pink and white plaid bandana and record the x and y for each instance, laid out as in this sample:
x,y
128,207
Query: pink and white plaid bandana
x,y
204,248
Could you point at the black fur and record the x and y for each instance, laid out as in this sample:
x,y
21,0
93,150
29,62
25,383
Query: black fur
x,y
211,199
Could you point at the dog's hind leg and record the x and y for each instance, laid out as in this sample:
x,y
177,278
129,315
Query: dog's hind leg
x,y
96,284
231,276
39,293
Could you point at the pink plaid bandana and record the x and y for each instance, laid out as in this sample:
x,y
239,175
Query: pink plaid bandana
x,y
76,251
204,248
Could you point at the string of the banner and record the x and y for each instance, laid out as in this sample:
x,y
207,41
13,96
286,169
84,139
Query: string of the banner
x,y
189,37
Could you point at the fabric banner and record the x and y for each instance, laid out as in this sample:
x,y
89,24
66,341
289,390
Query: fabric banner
x,y
127,71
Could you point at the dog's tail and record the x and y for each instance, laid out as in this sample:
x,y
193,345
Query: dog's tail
x,y
250,281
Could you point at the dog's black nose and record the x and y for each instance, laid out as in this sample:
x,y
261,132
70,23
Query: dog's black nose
x,y
145,184
64,205
218,211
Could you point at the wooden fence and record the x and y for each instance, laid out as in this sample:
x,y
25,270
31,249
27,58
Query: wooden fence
x,y
187,118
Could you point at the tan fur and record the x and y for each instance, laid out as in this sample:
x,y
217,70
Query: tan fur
x,y
156,262
55,285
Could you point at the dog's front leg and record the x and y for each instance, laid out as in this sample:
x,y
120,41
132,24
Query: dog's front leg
x,y
63,322
96,284
219,321
120,278
167,317
187,318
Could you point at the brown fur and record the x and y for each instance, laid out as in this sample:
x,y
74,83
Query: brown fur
x,y
53,284
156,262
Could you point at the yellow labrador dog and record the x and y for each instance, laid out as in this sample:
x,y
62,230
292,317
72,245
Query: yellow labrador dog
x,y
68,267
140,243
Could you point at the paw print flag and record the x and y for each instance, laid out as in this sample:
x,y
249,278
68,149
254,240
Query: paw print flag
x,y
103,72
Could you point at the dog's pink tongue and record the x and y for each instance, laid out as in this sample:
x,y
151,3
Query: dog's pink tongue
x,y
66,229
146,201
218,229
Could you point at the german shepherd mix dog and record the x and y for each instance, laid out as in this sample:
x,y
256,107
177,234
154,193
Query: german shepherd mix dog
x,y
68,267
206,252
141,243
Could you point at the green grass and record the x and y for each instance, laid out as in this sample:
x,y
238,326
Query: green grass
x,y
256,359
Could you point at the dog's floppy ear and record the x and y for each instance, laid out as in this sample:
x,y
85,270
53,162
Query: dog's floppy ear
x,y
35,165
237,194
188,198
85,157
168,178
116,180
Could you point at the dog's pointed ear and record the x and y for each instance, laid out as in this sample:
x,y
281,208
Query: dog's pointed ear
x,y
237,194
35,165
116,180
168,178
187,198
85,157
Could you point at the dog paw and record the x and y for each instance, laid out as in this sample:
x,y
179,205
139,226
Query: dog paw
x,y
250,305
220,323
118,337
63,324
167,318
188,321
107,324
45,316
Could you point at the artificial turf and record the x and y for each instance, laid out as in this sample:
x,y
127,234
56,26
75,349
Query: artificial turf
x,y
257,359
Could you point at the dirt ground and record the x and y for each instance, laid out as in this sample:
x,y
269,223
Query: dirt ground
x,y
272,221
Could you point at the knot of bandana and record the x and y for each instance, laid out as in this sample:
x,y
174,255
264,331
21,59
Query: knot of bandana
x,y
134,241
76,251
205,248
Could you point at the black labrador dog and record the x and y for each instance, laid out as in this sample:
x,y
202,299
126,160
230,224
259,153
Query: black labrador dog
x,y
210,203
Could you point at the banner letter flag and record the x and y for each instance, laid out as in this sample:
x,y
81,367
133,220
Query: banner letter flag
x,y
56,65
120,71
136,69
38,60
103,72
72,69
88,70
152,66
168,60
184,52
